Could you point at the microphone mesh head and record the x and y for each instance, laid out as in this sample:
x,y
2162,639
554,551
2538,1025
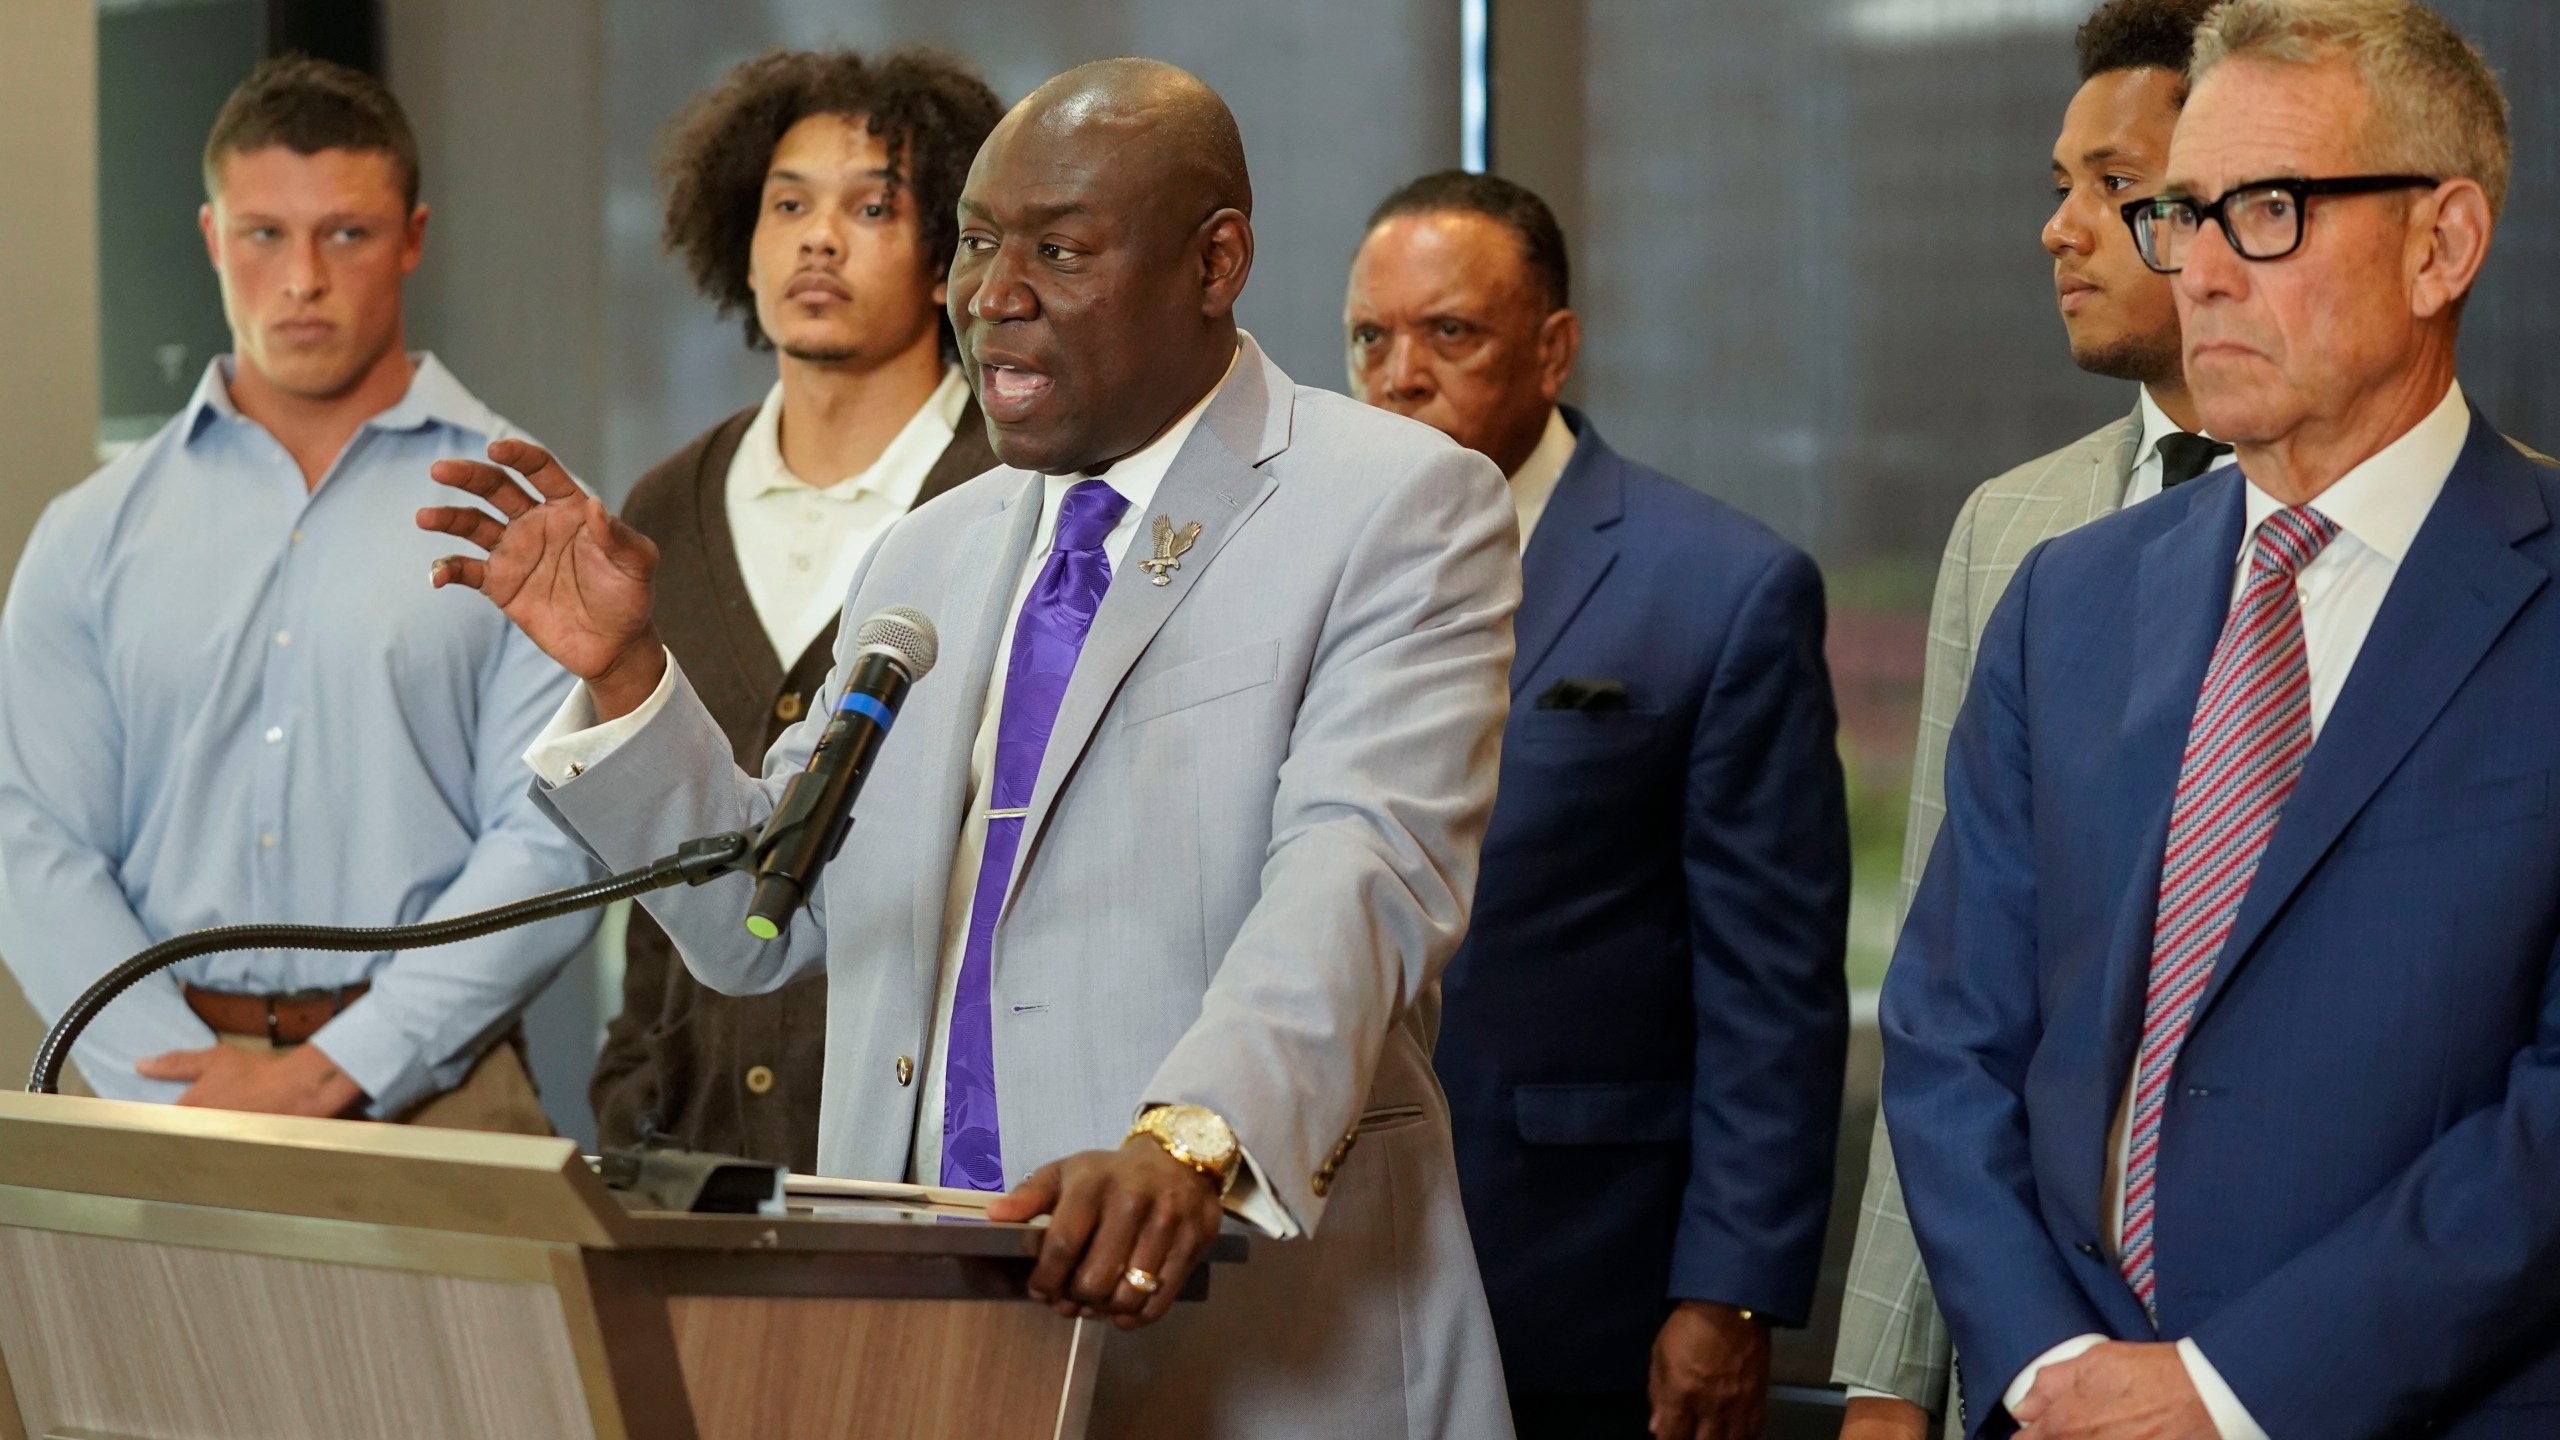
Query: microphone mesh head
x,y
902,633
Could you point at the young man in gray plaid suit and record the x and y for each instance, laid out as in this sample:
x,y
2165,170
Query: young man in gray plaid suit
x,y
2123,323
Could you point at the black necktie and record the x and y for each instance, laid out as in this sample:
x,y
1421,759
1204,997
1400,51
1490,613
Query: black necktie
x,y
2183,457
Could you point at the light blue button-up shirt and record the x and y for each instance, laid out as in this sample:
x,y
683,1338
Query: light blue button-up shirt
x,y
226,699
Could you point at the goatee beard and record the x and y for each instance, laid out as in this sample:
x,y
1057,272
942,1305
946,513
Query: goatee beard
x,y
808,356
2143,359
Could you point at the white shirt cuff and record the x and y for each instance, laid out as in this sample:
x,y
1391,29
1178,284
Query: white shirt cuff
x,y
2071,1349
1251,1201
2231,1419
1861,1392
573,740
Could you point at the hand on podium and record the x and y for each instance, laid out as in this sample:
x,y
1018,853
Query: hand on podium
x,y
299,1081
573,578
1110,1212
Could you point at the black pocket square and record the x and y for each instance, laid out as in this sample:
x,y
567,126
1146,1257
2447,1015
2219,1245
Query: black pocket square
x,y
1578,694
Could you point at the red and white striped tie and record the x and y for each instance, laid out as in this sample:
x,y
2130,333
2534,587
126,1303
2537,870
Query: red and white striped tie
x,y
2252,729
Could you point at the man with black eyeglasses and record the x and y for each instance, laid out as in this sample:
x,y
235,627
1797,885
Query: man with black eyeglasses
x,y
2219,1049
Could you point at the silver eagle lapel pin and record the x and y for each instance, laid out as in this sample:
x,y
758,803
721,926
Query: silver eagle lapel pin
x,y
1171,546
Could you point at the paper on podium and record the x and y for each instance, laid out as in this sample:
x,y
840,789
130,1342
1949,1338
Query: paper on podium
x,y
827,1187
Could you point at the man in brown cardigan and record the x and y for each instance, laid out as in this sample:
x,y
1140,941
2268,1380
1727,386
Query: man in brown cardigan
x,y
813,194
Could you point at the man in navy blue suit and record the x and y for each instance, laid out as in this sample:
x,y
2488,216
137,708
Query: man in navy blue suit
x,y
2222,1052
1643,1034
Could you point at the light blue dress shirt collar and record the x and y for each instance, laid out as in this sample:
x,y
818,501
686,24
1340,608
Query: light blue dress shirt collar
x,y
434,397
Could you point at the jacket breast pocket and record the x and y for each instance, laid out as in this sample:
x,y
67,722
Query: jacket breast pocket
x,y
1197,682
2435,812
1640,1113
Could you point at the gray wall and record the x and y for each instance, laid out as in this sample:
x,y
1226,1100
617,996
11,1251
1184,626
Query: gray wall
x,y
508,103
48,306
49,287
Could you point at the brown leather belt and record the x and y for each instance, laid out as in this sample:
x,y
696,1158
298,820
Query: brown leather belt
x,y
282,1019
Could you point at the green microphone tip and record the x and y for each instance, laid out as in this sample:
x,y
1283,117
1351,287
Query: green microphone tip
x,y
761,928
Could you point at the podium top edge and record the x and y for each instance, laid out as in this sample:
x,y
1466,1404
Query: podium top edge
x,y
412,1176
518,1187
21,1112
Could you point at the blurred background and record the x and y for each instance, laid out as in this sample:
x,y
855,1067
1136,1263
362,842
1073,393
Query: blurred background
x,y
1804,241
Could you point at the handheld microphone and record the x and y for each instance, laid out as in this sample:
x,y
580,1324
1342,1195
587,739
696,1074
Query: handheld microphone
x,y
892,651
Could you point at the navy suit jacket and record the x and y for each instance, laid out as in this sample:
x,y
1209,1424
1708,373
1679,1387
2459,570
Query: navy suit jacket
x,y
2358,1212
1643,1034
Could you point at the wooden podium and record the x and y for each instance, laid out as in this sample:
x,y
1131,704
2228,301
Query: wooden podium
x,y
171,1274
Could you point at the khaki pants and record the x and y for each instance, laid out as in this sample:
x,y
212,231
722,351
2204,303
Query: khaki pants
x,y
497,1095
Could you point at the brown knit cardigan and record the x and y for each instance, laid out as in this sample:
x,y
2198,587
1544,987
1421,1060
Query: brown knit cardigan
x,y
684,1064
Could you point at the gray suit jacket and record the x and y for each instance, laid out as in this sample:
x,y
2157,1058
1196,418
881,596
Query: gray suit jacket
x,y
1250,852
1892,1337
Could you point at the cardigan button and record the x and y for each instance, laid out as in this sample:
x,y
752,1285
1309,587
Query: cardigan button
x,y
788,707
759,1080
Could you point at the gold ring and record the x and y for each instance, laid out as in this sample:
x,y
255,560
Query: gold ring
x,y
1141,1281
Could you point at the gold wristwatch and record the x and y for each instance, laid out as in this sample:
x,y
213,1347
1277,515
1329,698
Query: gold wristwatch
x,y
1195,1135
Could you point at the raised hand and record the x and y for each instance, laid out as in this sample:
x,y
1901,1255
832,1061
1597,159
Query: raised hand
x,y
572,577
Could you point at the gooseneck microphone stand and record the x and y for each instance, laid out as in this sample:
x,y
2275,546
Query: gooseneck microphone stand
x,y
693,863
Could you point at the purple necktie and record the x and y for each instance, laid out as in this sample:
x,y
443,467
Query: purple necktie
x,y
1047,636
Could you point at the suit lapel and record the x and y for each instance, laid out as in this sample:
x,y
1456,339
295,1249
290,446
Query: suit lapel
x,y
2183,593
985,564
2111,474
2459,587
1216,481
1570,551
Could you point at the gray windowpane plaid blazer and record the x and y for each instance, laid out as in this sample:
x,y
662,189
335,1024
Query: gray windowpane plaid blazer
x,y
1891,1335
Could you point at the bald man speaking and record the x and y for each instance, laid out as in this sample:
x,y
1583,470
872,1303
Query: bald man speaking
x,y
1157,872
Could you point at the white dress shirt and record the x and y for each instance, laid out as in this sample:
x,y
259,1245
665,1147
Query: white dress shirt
x,y
2378,507
574,741
800,540
2147,465
1535,480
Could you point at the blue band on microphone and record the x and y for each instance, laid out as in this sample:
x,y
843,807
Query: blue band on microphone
x,y
861,704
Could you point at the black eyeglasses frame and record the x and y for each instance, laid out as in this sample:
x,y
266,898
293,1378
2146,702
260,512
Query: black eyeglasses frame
x,y
2299,190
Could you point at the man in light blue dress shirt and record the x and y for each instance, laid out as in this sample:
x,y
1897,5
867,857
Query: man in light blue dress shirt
x,y
227,694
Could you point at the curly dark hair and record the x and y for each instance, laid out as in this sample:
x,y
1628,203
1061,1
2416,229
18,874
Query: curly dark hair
x,y
2141,34
1512,204
935,110
308,106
